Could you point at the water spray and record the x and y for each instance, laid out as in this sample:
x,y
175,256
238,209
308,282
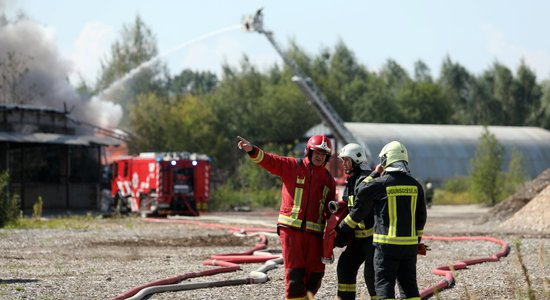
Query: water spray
x,y
148,63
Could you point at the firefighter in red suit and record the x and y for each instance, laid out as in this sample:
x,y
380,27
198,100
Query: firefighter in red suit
x,y
307,189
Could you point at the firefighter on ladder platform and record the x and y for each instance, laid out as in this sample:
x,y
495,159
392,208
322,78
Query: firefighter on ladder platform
x,y
359,247
400,215
307,189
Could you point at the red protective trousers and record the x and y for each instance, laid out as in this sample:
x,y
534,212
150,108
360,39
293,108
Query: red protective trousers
x,y
304,270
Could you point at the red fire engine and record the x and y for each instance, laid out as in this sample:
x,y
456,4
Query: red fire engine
x,y
161,183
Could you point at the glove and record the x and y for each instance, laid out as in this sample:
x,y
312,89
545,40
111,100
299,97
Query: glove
x,y
341,240
422,249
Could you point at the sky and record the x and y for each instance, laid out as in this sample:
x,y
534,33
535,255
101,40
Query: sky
x,y
202,35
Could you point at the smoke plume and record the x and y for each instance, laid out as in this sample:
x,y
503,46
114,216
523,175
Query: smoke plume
x,y
44,81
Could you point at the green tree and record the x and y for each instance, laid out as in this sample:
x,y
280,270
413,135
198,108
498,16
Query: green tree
x,y
191,82
190,126
377,104
259,106
423,102
376,100
341,78
182,123
486,107
394,76
9,204
458,86
485,169
422,72
500,106
512,179
527,94
148,120
542,113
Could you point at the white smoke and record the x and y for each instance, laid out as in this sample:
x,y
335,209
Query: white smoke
x,y
46,81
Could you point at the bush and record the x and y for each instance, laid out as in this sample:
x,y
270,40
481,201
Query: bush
x,y
442,197
453,191
9,206
37,209
485,169
250,186
514,178
268,198
456,185
226,198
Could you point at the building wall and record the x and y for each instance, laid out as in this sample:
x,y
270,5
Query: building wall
x,y
66,177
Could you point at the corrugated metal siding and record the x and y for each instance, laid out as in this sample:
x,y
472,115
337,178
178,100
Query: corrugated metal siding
x,y
439,152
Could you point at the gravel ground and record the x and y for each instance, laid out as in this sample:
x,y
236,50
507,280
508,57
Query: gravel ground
x,y
107,257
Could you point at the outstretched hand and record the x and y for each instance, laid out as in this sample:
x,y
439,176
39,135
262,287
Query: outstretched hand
x,y
244,144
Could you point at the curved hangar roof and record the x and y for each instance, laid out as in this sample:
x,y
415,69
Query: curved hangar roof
x,y
439,152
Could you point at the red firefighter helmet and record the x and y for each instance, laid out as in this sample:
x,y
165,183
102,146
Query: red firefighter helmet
x,y
319,142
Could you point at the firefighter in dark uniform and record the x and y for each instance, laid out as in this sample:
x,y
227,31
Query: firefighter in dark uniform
x,y
399,218
359,247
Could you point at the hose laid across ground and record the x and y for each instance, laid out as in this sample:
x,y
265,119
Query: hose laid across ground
x,y
229,263
447,270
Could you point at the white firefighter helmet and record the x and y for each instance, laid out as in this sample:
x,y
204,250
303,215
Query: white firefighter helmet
x,y
355,152
392,152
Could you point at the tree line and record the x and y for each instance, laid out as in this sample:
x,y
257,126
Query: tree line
x,y
199,111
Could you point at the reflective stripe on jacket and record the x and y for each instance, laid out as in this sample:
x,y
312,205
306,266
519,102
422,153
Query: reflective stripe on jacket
x,y
364,228
397,200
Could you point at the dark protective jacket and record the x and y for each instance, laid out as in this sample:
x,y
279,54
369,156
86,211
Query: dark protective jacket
x,y
399,207
364,228
306,190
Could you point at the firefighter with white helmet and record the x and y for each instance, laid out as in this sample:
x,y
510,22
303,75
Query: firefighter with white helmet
x,y
359,247
307,189
397,200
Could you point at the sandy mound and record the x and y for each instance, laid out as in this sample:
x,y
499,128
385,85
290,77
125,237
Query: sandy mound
x,y
508,207
535,215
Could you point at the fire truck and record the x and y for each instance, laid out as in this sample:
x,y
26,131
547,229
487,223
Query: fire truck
x,y
167,183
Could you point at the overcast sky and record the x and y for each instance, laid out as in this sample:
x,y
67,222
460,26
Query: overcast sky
x,y
473,33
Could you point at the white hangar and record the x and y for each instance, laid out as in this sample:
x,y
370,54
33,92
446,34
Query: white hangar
x,y
440,152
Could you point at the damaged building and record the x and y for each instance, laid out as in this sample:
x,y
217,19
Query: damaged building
x,y
49,154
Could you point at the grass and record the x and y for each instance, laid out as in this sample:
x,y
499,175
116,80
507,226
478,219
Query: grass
x,y
73,222
443,197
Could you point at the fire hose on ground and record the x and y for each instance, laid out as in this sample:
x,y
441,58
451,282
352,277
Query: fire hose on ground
x,y
228,262
339,212
447,270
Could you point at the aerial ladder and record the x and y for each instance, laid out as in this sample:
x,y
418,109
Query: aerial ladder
x,y
315,97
